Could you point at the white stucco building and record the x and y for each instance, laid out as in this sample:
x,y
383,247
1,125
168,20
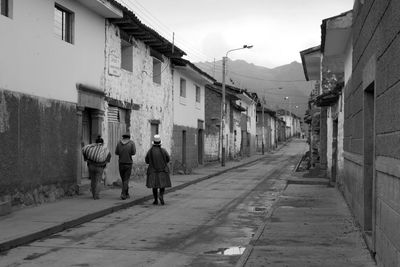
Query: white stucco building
x,y
51,64
188,114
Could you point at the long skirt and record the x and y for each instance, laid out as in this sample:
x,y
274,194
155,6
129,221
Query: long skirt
x,y
158,180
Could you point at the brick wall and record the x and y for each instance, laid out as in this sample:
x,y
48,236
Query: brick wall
x,y
376,58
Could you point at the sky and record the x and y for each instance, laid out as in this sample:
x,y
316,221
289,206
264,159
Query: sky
x,y
207,29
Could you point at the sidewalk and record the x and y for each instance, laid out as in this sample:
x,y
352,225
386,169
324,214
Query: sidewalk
x,y
309,225
28,224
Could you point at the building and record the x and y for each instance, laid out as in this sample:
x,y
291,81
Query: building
x,y
212,138
44,92
361,98
248,101
188,115
139,96
265,137
371,181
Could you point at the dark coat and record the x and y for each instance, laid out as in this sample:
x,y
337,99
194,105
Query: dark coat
x,y
125,150
157,171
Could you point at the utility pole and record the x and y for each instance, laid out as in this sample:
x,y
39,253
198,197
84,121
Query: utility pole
x,y
223,111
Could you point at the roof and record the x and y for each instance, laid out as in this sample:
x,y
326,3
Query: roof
x,y
236,106
335,33
132,26
216,87
230,87
311,60
267,110
184,63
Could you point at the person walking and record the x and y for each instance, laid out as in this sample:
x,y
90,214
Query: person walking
x,y
97,156
157,172
125,150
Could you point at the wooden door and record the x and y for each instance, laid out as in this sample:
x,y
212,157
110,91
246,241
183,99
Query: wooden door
x,y
116,127
85,139
200,146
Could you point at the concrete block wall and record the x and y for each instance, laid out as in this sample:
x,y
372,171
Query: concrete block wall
x,y
376,58
38,155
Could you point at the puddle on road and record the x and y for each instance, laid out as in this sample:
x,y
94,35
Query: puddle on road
x,y
227,251
257,209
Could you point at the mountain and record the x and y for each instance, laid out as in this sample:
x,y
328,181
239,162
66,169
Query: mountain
x,y
274,84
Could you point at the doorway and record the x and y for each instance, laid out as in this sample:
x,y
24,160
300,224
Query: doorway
x,y
200,146
154,129
334,152
117,126
369,157
85,140
184,148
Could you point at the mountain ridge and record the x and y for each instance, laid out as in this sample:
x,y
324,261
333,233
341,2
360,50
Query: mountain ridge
x,y
274,84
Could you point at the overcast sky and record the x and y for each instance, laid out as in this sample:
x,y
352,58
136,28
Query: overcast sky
x,y
207,29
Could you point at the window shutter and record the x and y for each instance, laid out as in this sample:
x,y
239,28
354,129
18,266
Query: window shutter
x,y
113,114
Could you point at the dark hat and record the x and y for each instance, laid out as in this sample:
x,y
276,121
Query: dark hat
x,y
99,140
126,135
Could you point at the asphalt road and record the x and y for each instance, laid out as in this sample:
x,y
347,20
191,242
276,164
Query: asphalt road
x,y
205,224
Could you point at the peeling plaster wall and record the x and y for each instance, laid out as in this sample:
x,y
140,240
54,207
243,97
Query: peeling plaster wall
x,y
137,87
234,145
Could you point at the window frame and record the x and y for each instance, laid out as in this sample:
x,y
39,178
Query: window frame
x,y
198,93
6,8
182,87
157,73
126,56
67,24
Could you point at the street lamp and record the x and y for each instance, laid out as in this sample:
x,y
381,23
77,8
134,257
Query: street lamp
x,y
223,100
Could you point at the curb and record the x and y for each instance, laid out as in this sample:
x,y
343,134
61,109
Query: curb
x,y
249,248
91,216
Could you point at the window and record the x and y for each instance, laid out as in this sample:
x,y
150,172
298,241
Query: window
x,y
197,94
156,71
5,7
126,56
63,24
183,88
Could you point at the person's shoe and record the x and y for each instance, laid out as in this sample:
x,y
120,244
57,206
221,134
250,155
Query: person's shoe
x,y
123,197
161,200
128,196
96,197
155,202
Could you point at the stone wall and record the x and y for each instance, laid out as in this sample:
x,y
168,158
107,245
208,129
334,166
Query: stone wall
x,y
38,155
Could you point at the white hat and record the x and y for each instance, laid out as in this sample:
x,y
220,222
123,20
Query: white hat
x,y
157,140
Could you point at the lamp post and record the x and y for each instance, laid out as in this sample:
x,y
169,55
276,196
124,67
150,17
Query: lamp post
x,y
223,111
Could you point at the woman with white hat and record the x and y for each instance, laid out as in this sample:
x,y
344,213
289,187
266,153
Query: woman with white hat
x,y
157,171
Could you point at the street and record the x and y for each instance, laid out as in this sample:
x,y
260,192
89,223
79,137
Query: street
x,y
206,224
